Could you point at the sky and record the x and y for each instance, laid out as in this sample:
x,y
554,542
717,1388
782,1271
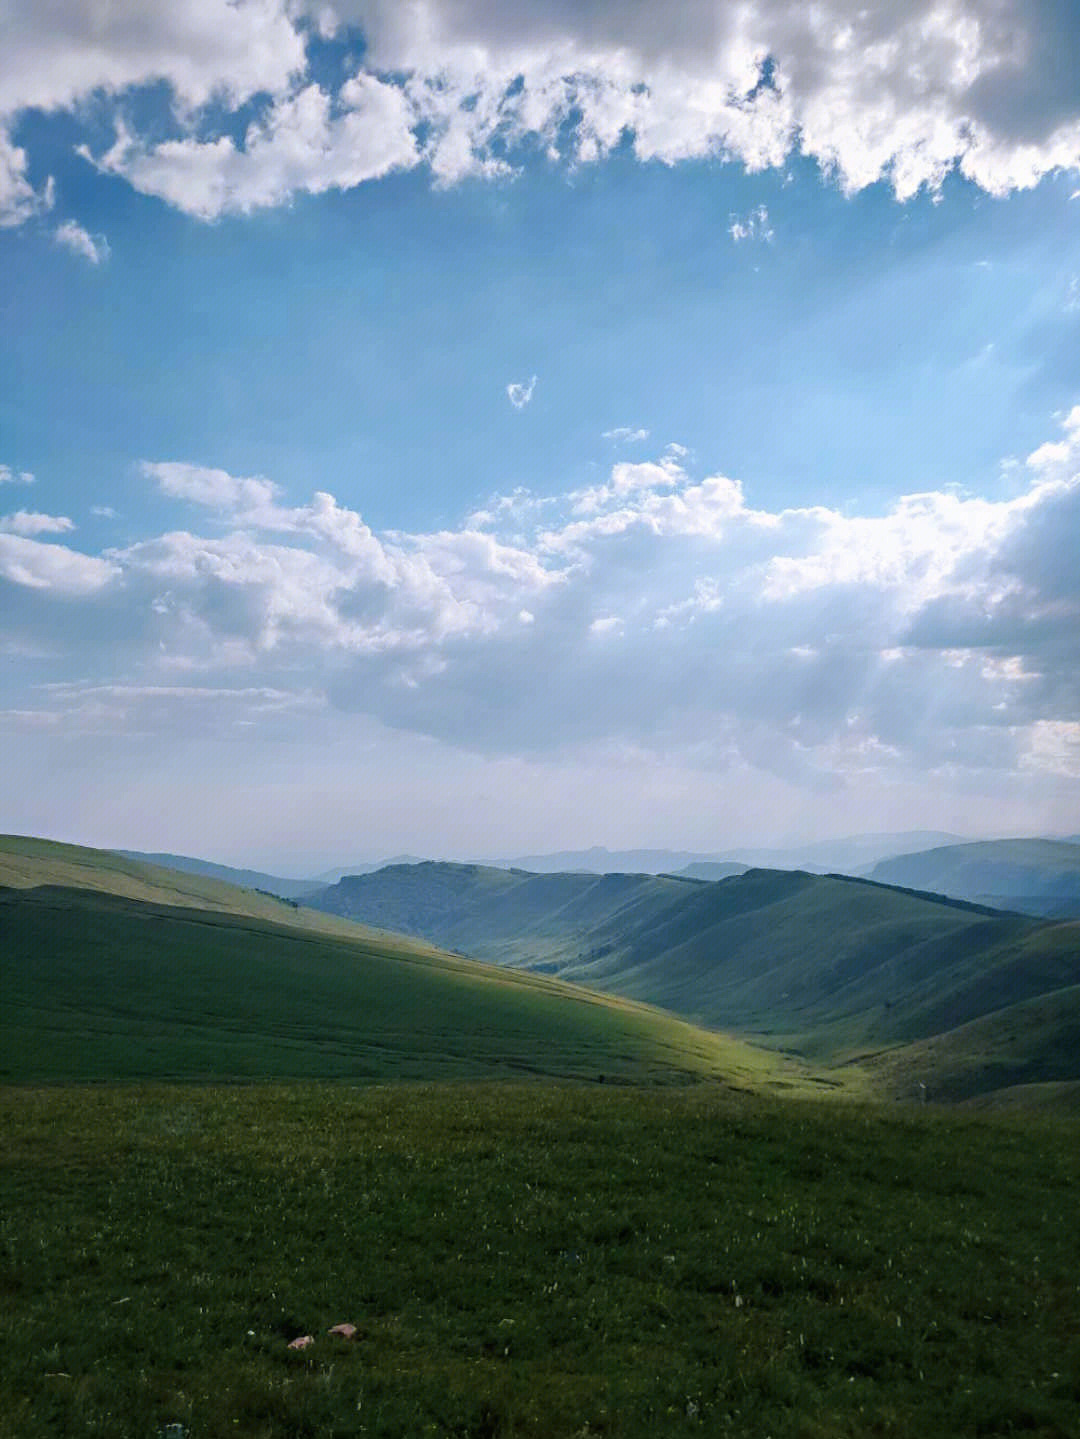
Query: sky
x,y
476,429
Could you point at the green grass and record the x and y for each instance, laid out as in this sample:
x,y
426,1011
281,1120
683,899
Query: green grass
x,y
1029,1045
30,863
531,1260
825,965
95,986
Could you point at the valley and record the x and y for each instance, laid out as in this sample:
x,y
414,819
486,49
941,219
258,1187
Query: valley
x,y
542,1206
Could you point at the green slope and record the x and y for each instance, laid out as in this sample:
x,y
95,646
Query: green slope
x,y
242,878
827,965
96,984
1032,1046
510,916
1036,876
828,962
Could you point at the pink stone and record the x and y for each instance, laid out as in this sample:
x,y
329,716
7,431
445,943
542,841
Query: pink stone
x,y
302,1341
346,1331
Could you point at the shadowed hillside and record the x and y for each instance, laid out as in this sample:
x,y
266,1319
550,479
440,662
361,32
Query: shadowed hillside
x,y
510,916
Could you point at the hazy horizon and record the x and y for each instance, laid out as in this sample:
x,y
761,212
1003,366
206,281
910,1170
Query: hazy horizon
x,y
482,431
297,864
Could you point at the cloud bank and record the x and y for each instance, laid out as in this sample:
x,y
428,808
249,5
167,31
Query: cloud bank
x,y
901,92
658,611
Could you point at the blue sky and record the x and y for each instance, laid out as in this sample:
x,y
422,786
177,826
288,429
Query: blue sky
x,y
473,430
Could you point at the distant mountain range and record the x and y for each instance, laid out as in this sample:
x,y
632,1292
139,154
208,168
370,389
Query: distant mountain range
x,y
599,860
331,876
849,854
859,851
1035,876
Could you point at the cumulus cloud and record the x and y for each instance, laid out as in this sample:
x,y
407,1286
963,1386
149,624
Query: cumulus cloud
x,y
32,565
25,522
216,489
519,395
73,237
660,611
901,92
309,142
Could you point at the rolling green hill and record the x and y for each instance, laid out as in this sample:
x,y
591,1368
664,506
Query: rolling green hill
x,y
112,970
242,878
828,965
1035,876
510,916
1035,1042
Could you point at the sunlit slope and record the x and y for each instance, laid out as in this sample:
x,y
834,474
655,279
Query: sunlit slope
x,y
832,962
1038,876
246,878
27,862
822,962
96,985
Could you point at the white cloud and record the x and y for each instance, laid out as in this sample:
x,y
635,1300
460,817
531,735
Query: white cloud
x,y
657,613
53,568
519,395
103,512
216,489
309,142
753,226
904,93
18,198
57,53
25,522
8,476
625,435
1054,748
85,708
73,237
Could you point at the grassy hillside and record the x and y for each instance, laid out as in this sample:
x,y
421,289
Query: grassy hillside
x,y
242,878
539,1261
95,984
1036,876
510,916
826,963
830,962
1031,1045
27,862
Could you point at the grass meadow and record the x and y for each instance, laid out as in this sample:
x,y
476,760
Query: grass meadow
x,y
533,1259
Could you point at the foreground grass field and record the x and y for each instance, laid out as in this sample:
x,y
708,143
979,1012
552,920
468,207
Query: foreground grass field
x,y
531,1259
